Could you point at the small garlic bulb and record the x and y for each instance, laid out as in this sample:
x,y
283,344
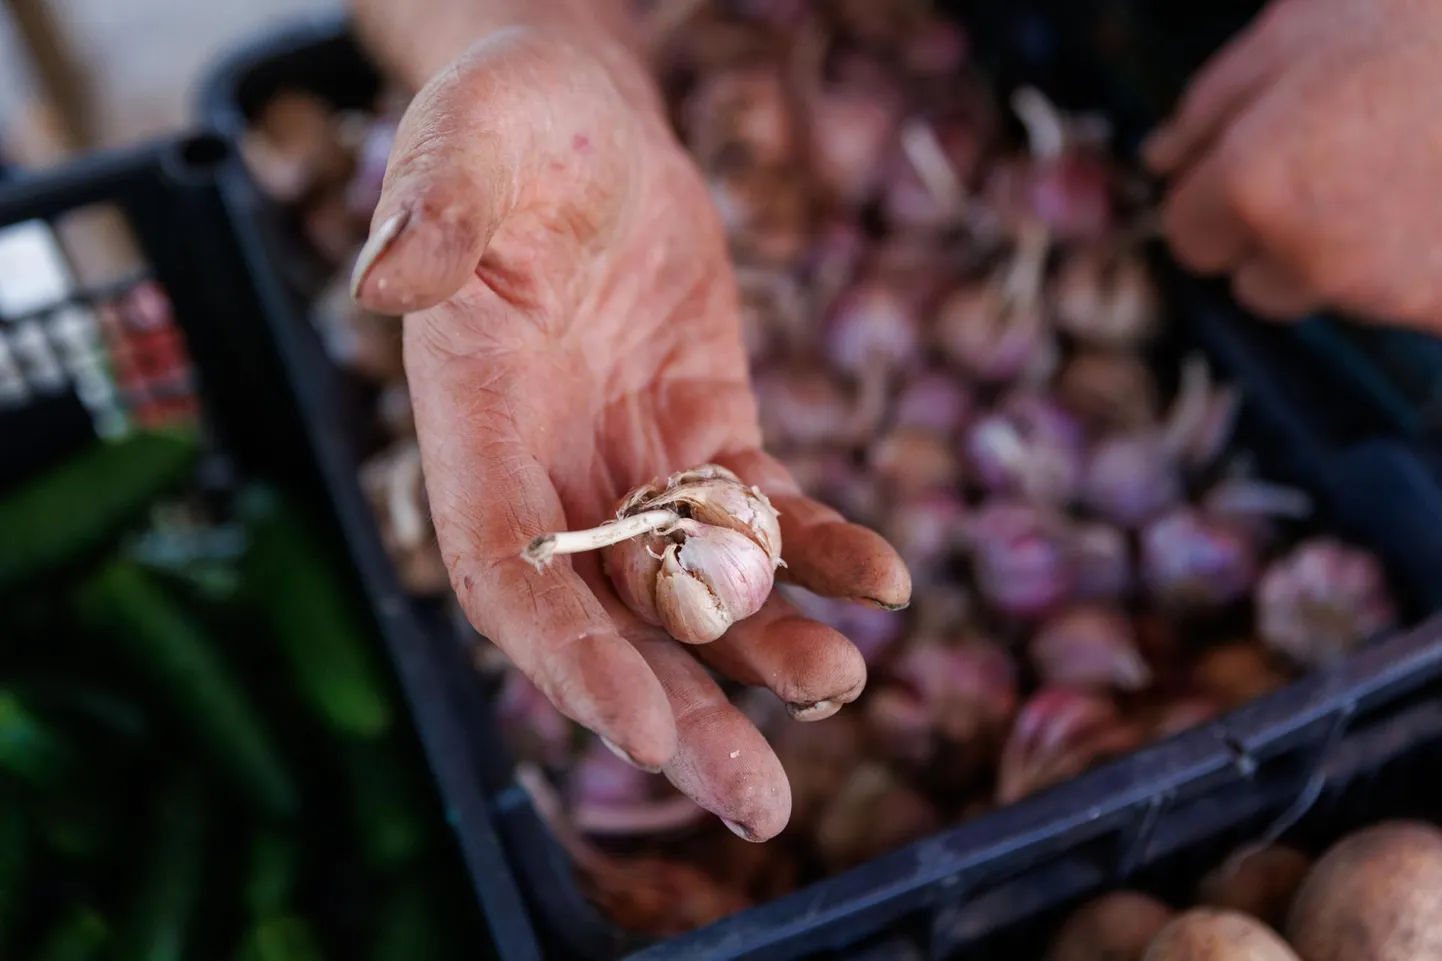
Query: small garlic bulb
x,y
693,555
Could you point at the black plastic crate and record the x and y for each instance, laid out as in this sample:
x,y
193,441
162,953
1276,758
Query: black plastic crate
x,y
1307,421
260,394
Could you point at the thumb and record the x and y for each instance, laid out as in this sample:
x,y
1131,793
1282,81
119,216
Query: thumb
x,y
463,150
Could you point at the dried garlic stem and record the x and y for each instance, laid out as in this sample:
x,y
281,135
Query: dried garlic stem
x,y
924,151
1045,132
540,551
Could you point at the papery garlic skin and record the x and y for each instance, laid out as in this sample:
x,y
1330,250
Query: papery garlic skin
x,y
714,578
693,555
1323,601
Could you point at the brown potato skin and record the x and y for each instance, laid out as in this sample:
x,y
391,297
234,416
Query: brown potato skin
x,y
1376,895
1261,882
1211,934
1114,927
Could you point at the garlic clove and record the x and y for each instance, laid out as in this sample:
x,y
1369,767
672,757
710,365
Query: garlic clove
x,y
1193,564
689,610
724,502
1131,478
1090,646
1058,734
1323,601
713,579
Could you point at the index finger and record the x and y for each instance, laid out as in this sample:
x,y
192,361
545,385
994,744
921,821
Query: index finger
x,y
490,494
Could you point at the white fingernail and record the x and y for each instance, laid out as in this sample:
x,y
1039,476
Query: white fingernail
x,y
814,711
628,758
376,244
739,831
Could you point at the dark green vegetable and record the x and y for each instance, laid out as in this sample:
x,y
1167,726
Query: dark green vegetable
x,y
80,937
98,709
30,750
14,863
84,503
284,938
388,818
314,618
410,926
77,825
166,888
125,603
271,875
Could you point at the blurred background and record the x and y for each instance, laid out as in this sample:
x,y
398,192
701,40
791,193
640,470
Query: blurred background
x,y
92,73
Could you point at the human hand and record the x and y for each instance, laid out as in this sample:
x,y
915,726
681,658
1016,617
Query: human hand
x,y
572,330
1304,161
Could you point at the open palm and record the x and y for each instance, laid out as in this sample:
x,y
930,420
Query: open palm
x,y
572,331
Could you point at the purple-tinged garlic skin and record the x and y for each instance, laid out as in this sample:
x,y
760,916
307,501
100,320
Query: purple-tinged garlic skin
x,y
712,579
1131,478
693,555
925,530
873,630
1059,733
1323,601
1029,446
611,797
1089,646
803,405
969,686
1021,562
934,401
1102,561
1195,564
987,338
872,328
851,131
363,193
532,726
1106,298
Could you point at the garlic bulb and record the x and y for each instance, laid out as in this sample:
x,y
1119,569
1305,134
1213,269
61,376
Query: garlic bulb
x,y
694,555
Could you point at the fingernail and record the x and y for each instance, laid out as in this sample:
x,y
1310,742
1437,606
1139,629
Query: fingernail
x,y
628,758
873,602
376,245
815,711
739,831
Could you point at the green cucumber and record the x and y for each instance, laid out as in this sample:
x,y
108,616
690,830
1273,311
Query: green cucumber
x,y
283,938
80,937
81,505
162,642
271,876
14,863
76,825
166,889
30,750
389,822
315,620
409,925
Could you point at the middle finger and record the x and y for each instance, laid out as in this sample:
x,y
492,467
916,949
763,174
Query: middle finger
x,y
813,668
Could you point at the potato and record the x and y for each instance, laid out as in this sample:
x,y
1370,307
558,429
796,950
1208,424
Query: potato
x,y
1260,881
1114,927
1210,934
1375,896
